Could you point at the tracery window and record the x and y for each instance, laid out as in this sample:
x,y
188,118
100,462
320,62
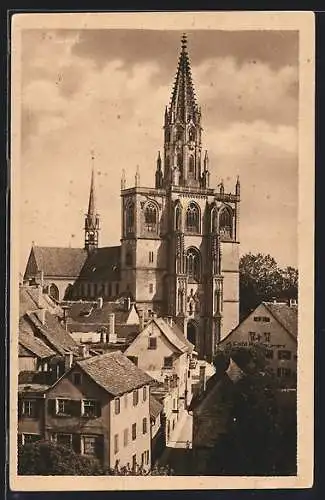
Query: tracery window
x,y
193,264
191,134
150,217
193,218
129,218
225,223
178,218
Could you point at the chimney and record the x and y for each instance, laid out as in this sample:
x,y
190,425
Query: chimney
x,y
112,337
100,303
103,335
169,320
142,321
68,360
202,378
83,351
41,315
127,304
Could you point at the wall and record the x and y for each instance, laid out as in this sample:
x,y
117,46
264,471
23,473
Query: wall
x,y
32,425
150,359
129,415
230,272
27,363
280,339
78,424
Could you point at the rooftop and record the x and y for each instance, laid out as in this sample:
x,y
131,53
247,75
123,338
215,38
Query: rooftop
x,y
285,314
114,372
35,345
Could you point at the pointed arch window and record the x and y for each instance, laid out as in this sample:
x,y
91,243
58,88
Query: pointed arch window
x,y
214,220
193,264
129,218
150,217
225,223
178,218
180,161
193,218
191,134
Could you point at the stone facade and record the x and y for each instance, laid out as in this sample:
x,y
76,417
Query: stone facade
x,y
180,240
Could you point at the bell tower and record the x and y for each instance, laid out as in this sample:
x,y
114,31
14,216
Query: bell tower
x,y
182,128
91,218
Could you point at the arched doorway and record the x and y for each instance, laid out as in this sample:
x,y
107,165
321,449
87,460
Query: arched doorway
x,y
191,332
54,292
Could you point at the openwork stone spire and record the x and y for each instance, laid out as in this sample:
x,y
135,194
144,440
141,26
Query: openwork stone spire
x,y
183,104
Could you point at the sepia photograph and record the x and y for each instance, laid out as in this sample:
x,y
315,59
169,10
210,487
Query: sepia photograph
x,y
162,183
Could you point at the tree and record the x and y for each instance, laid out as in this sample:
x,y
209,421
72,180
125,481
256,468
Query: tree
x,y
43,458
261,279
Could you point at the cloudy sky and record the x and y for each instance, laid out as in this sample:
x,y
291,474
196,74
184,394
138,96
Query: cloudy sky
x,y
106,90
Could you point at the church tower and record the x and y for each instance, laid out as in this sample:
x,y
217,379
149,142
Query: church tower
x,y
91,218
180,240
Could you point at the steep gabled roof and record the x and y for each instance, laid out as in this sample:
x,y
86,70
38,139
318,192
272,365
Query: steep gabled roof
x,y
35,345
177,340
103,264
32,298
286,315
155,408
88,313
58,338
55,261
114,372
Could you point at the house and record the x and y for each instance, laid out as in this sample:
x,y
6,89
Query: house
x,y
100,407
162,351
33,353
274,326
44,343
157,434
99,321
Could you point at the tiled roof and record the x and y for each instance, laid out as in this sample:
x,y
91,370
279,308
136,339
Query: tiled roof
x,y
286,315
32,388
181,336
35,345
155,408
31,298
54,333
31,377
178,341
56,261
102,265
87,313
114,372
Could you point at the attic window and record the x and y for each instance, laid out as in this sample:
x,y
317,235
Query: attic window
x,y
152,343
76,377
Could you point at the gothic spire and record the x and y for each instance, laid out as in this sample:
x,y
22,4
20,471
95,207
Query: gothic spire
x,y
91,219
91,205
183,102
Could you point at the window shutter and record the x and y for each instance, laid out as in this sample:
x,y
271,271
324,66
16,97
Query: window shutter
x,y
98,409
20,408
99,447
51,406
75,408
76,444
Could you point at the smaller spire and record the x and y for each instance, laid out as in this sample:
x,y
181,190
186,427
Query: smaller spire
x,y
137,176
91,205
222,187
123,180
159,174
159,161
237,186
206,161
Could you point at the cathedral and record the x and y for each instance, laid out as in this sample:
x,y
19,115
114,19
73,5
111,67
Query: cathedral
x,y
179,252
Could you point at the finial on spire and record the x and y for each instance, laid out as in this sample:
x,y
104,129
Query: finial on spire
x,y
184,42
137,176
123,180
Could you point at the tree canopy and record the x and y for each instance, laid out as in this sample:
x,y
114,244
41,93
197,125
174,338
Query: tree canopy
x,y
44,458
261,279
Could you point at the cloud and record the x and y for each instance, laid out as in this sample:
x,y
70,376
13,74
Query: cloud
x,y
72,104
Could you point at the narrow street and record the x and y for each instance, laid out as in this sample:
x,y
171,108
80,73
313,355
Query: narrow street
x,y
178,452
